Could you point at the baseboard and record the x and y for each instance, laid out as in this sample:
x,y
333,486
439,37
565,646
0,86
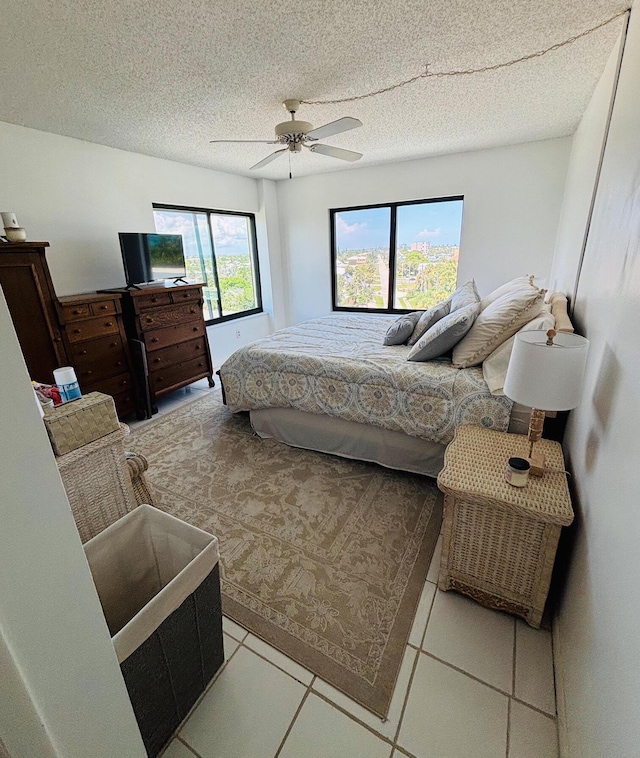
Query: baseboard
x,y
561,703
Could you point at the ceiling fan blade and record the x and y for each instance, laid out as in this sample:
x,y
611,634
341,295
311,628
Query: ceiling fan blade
x,y
256,141
335,152
334,127
269,158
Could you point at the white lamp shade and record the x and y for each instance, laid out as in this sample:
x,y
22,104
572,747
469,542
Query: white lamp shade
x,y
547,377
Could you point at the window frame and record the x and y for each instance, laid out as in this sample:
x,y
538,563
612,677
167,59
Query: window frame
x,y
254,254
393,208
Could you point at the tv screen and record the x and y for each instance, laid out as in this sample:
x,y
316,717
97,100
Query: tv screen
x,y
151,257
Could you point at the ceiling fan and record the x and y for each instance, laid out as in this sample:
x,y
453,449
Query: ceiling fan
x,y
294,135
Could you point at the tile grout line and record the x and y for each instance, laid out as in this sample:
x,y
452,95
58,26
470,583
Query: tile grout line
x,y
189,748
413,669
284,671
513,685
369,728
486,684
293,720
509,701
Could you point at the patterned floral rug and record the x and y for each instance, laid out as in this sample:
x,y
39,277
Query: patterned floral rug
x,y
324,558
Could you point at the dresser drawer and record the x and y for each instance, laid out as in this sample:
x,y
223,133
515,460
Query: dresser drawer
x,y
125,403
104,308
152,300
101,362
75,312
95,327
168,316
179,353
113,386
172,335
186,295
182,373
103,347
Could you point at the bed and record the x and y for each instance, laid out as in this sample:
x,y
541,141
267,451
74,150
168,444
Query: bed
x,y
329,384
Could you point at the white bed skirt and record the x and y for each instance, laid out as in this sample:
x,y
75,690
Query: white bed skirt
x,y
349,439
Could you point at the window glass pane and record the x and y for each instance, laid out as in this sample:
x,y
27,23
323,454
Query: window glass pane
x,y
197,250
233,246
362,257
427,249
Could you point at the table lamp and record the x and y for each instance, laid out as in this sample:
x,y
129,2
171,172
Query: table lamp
x,y
546,371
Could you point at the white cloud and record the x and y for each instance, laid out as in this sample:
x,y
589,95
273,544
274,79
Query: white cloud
x,y
229,231
343,228
429,233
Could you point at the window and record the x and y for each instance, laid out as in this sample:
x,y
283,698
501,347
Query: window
x,y
221,250
397,256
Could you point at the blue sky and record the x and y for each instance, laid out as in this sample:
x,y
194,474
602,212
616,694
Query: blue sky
x,y
438,223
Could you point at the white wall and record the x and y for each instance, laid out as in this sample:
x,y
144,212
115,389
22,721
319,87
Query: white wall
x,y
586,151
512,198
77,196
61,691
597,631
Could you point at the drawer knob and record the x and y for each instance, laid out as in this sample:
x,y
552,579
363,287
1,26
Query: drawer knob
x,y
77,331
124,382
113,344
76,312
195,328
185,294
154,299
192,310
83,352
156,360
109,323
160,378
88,373
155,339
149,320
103,307
197,347
118,363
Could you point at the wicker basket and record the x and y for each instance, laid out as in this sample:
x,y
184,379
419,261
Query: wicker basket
x,y
81,421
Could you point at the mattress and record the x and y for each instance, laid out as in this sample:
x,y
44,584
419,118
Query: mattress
x,y
337,366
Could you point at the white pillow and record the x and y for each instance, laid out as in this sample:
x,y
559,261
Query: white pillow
x,y
496,323
519,283
494,368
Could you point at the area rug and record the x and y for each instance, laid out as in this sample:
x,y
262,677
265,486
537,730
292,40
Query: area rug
x,y
322,557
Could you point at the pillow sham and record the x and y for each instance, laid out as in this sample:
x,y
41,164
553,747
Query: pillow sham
x,y
496,323
494,368
401,329
428,319
444,334
519,283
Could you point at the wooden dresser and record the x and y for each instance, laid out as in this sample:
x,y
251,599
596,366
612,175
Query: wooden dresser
x,y
168,338
95,341
28,289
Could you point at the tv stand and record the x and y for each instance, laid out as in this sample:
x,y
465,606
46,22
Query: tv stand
x,y
180,279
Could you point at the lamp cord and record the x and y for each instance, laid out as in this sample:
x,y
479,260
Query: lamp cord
x,y
466,72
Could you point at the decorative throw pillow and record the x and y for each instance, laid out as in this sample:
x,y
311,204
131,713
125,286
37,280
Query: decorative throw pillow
x,y
494,368
519,283
464,295
401,329
444,334
427,320
496,323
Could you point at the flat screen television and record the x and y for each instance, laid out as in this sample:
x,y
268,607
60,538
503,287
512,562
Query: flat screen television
x,y
152,257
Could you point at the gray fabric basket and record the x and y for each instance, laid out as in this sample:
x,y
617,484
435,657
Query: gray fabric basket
x,y
159,584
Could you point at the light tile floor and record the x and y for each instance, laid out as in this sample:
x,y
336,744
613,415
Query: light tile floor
x,y
473,683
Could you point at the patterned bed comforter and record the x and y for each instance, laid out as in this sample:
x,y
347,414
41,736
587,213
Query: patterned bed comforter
x,y
338,366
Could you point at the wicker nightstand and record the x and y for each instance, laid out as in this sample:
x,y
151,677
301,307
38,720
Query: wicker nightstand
x,y
499,542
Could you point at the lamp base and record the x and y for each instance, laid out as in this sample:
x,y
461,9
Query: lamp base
x,y
537,465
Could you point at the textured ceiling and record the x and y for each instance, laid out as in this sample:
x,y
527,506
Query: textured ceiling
x,y
164,77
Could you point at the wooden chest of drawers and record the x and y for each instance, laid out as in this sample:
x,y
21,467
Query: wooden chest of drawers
x,y
168,338
95,341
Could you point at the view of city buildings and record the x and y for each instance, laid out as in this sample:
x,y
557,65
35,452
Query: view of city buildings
x,y
426,270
